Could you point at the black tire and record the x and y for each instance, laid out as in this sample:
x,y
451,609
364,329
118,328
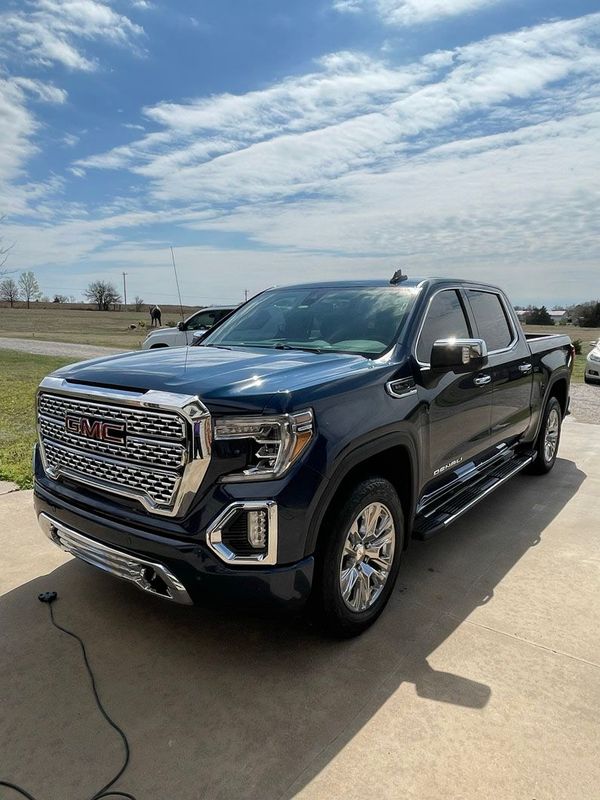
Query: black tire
x,y
329,609
542,463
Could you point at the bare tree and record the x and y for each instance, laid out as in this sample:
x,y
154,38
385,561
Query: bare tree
x,y
60,298
9,291
29,288
139,303
103,293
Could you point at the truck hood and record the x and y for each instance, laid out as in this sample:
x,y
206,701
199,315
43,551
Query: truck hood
x,y
235,379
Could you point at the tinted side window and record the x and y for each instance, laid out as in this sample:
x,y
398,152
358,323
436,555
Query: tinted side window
x,y
445,319
490,318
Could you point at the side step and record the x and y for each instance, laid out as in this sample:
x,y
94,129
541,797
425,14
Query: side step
x,y
429,522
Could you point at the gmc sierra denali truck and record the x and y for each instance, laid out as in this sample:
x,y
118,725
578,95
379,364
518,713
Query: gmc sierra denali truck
x,y
293,453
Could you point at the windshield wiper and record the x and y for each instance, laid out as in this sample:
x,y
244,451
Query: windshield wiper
x,y
285,346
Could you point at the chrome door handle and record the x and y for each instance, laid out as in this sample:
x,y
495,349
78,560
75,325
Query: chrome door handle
x,y
482,380
524,367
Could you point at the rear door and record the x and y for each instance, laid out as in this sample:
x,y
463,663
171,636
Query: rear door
x,y
458,404
510,363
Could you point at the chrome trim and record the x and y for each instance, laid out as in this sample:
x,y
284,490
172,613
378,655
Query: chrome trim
x,y
121,564
464,473
525,368
482,380
215,529
197,441
401,387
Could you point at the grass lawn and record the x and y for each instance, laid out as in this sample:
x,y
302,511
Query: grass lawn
x,y
104,328
20,374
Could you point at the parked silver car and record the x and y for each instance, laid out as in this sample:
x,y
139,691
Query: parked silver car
x,y
592,365
183,333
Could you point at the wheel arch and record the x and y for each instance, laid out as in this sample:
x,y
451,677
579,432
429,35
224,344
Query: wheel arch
x,y
393,458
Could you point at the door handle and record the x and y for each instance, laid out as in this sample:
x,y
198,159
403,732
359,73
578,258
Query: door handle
x,y
481,380
524,368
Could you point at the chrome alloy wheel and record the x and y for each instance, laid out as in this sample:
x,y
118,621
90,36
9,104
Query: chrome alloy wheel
x,y
551,435
367,556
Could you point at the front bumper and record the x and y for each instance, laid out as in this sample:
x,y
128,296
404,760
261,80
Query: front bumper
x,y
177,570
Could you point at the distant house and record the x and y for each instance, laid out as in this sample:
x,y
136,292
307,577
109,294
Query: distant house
x,y
559,315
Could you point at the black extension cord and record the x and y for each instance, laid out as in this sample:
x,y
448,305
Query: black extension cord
x,y
49,598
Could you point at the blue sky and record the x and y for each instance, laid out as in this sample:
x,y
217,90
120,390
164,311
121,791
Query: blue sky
x,y
272,141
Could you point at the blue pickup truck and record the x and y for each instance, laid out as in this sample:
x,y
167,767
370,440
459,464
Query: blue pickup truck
x,y
295,450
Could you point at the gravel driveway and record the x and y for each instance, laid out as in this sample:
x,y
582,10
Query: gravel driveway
x,y
585,402
66,349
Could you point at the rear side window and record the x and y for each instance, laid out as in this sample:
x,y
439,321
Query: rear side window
x,y
445,319
491,319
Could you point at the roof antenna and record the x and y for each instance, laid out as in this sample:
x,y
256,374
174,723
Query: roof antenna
x,y
177,283
398,277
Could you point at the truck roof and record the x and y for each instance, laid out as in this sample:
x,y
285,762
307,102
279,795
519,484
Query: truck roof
x,y
416,282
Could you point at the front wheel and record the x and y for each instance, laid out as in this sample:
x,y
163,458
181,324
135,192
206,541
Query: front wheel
x,y
358,564
546,447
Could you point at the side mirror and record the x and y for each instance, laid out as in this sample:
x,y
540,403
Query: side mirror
x,y
181,326
458,354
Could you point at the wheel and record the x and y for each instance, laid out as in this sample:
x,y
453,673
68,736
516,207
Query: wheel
x,y
546,446
358,563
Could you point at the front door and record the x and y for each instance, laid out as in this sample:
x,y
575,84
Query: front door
x,y
457,405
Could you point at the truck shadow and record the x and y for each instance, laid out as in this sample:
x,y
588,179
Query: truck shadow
x,y
225,704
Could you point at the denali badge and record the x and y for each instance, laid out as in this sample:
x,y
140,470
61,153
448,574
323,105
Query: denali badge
x,y
447,466
102,430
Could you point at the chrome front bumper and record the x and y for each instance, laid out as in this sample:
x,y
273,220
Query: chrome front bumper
x,y
146,575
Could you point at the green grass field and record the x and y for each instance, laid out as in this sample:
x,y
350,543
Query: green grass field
x,y
20,374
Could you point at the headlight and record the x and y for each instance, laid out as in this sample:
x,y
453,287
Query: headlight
x,y
279,442
594,356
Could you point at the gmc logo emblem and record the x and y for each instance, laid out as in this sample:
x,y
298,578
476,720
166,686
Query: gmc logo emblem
x,y
101,430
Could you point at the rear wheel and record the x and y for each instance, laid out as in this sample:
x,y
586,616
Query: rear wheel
x,y
546,446
359,562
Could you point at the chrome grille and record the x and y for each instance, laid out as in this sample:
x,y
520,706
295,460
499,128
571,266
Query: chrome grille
x,y
158,486
148,451
161,460
145,422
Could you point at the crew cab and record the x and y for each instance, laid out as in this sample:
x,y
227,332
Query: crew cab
x,y
183,333
293,454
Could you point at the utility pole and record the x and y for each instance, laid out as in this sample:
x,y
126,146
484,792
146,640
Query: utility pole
x,y
245,295
125,290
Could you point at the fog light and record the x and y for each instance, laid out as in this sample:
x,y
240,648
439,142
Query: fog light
x,y
257,528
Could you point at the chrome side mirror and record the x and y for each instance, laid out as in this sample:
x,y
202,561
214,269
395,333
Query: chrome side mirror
x,y
458,354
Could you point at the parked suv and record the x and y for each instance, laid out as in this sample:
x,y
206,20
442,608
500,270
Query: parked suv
x,y
293,454
184,333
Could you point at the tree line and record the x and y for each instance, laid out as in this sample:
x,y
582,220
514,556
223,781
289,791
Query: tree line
x,y
586,315
26,288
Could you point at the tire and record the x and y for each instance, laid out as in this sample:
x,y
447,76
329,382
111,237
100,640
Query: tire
x,y
342,563
546,456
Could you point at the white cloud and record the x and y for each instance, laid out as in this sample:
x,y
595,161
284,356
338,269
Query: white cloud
x,y
16,134
55,31
412,12
355,113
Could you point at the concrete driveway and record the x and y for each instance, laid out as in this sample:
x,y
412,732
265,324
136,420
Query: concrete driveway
x,y
480,681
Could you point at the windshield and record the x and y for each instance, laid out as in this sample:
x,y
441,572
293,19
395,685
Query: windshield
x,y
364,320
